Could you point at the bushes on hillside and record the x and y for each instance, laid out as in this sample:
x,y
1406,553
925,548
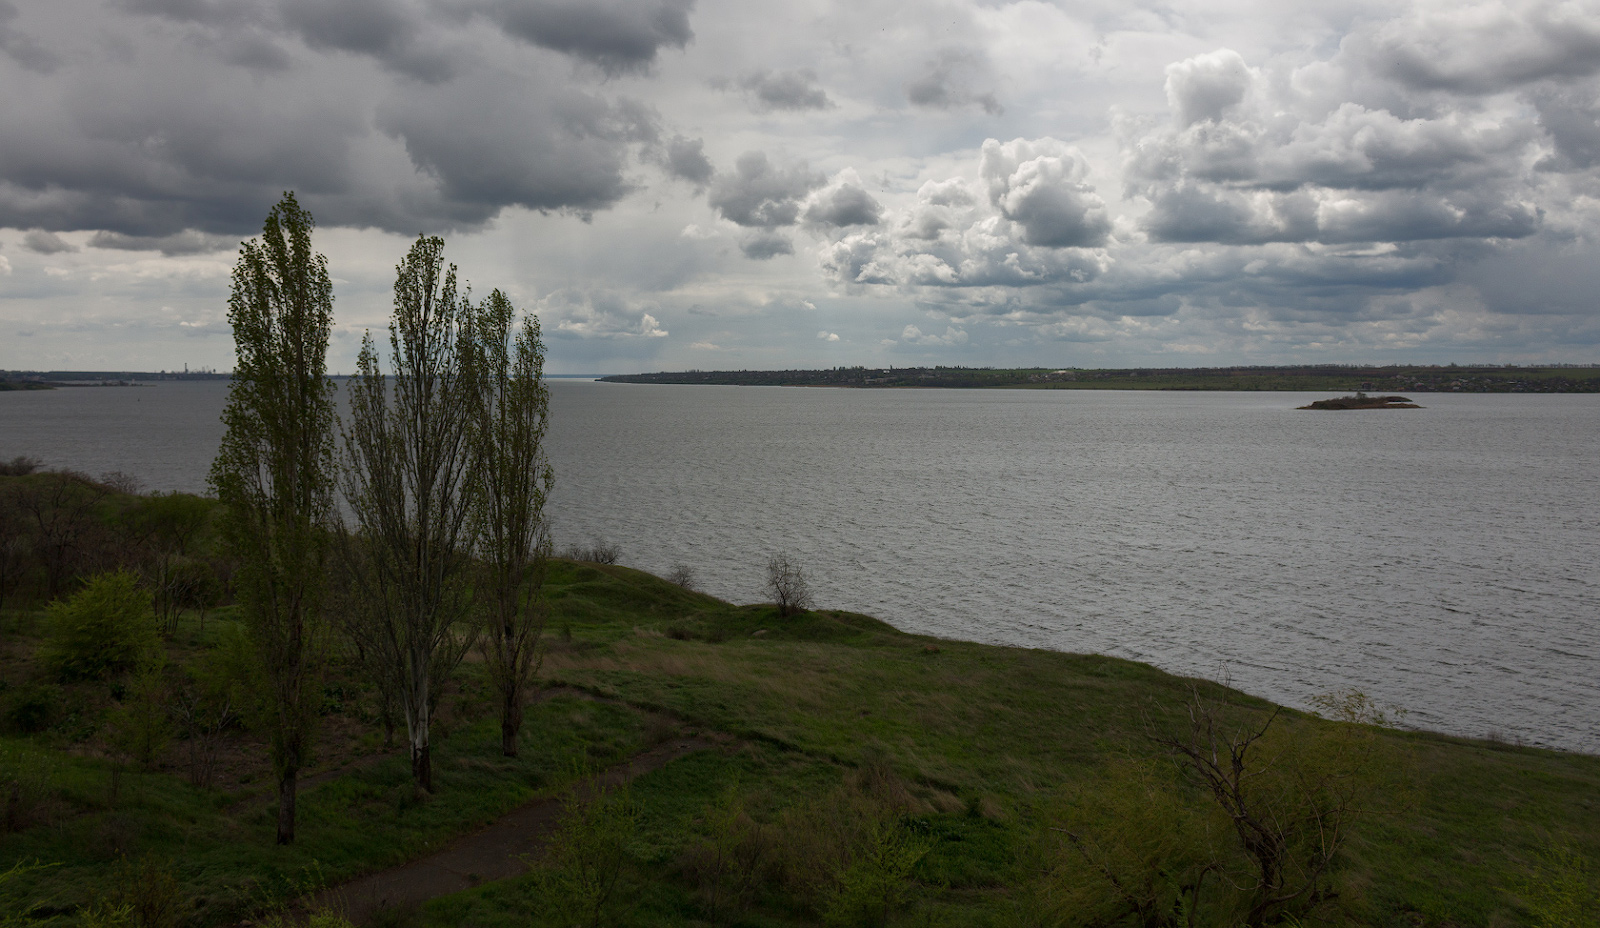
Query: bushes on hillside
x,y
1247,826
104,629
597,552
786,584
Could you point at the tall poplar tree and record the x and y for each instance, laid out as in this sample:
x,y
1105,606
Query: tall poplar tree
x,y
275,475
408,466
513,479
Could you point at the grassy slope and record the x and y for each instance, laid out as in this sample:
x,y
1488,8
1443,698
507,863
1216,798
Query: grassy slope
x,y
983,734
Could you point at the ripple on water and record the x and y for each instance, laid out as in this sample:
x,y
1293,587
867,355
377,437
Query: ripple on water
x,y
1441,559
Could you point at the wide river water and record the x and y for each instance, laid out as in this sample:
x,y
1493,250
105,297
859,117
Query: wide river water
x,y
1441,559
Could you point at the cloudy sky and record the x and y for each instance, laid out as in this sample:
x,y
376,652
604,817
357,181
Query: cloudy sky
x,y
710,184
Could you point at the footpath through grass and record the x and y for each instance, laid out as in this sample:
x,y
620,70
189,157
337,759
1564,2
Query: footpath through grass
x,y
875,778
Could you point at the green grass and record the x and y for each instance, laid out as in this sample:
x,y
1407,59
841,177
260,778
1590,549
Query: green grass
x,y
222,850
978,740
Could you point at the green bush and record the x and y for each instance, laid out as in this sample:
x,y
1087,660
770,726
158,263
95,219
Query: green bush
x,y
104,629
140,728
578,876
32,708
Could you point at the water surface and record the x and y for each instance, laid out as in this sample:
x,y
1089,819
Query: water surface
x,y
1440,559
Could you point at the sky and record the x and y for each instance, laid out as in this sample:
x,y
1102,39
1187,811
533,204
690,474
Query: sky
x,y
727,184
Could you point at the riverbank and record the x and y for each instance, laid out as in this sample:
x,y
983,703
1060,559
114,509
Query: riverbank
x,y
963,756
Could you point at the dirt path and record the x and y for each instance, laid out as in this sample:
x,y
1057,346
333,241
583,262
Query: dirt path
x,y
493,853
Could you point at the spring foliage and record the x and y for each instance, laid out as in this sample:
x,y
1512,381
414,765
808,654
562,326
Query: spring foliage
x,y
104,629
275,475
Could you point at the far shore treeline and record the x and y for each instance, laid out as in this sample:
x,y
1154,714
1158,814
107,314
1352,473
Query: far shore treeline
x,y
1431,378
1449,378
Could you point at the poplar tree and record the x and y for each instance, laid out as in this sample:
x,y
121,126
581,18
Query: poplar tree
x,y
513,478
408,466
275,475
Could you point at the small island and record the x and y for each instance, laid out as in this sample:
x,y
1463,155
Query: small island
x,y
1363,401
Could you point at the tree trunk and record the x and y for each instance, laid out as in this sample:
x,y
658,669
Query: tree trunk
x,y
286,795
510,722
422,766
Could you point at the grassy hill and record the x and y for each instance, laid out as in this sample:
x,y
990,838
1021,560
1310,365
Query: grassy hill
x,y
859,775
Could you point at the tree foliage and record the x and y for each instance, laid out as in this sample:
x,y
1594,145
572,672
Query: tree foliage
x,y
275,474
512,478
409,455
1246,825
103,629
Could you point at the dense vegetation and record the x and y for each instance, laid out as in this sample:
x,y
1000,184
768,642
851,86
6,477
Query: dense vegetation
x,y
859,775
1466,379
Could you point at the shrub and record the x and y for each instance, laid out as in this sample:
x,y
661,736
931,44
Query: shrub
x,y
578,876
852,854
876,880
786,584
140,728
28,788
32,708
1354,706
732,859
145,894
682,575
1560,893
104,629
599,552
19,466
1247,826
15,913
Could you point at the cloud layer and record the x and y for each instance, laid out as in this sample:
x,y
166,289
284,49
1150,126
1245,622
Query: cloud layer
x,y
682,181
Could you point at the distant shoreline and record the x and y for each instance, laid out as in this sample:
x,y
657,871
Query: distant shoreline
x,y
1415,379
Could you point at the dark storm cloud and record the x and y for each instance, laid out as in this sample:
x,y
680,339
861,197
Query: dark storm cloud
x,y
844,204
759,194
209,12
1188,212
685,159
1404,215
1571,117
1206,86
764,244
152,148
1197,213
1475,49
180,243
166,138
947,82
21,46
398,34
412,36
388,31
254,51
46,243
491,144
784,90
616,35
